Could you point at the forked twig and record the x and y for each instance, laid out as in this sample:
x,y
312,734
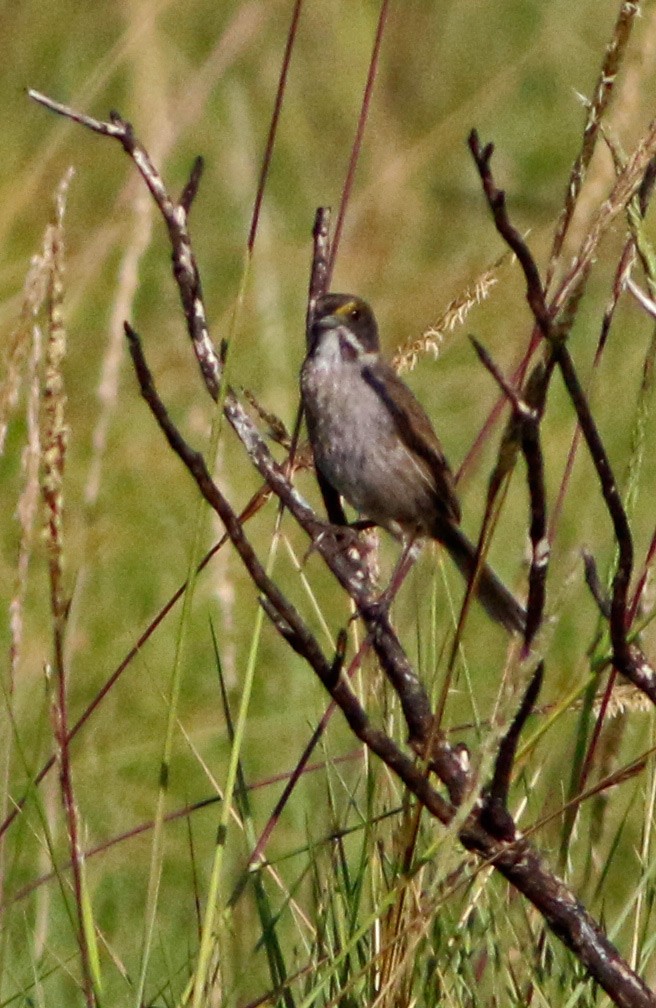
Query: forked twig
x,y
515,860
628,659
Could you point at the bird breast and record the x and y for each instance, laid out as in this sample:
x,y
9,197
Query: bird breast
x,y
357,446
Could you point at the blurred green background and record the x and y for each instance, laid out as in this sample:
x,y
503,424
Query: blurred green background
x,y
200,78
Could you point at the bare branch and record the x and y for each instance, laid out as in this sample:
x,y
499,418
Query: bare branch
x,y
526,420
495,814
496,199
185,269
288,617
319,271
636,669
516,860
188,194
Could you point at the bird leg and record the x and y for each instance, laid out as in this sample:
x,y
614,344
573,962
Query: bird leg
x,y
401,570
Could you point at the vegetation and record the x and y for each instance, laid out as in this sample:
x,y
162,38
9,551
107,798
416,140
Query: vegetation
x,y
357,895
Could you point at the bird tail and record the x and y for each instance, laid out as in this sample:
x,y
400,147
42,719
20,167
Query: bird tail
x,y
499,603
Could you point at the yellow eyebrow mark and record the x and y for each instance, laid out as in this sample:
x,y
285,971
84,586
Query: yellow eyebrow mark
x,y
345,309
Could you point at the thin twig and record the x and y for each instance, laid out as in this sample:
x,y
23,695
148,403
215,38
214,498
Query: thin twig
x,y
516,861
320,268
359,134
175,216
347,568
495,815
273,127
525,428
628,659
339,689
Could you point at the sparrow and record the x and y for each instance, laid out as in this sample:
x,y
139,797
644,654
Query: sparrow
x,y
375,446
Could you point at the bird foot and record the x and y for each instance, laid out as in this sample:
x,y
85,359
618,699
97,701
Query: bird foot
x,y
346,539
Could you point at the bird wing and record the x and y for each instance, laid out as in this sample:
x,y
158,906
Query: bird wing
x,y
331,499
416,431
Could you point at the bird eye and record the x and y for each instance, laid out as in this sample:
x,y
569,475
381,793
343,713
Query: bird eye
x,y
355,314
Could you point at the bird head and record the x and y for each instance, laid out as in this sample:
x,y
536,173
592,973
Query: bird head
x,y
343,328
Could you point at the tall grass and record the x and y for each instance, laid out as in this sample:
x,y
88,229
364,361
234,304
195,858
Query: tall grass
x,y
355,897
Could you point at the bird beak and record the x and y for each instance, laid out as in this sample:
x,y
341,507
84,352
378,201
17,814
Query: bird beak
x,y
321,326
326,323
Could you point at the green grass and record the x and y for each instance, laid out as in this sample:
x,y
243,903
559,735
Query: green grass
x,y
339,911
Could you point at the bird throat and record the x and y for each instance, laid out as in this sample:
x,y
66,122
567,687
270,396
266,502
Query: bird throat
x,y
348,349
